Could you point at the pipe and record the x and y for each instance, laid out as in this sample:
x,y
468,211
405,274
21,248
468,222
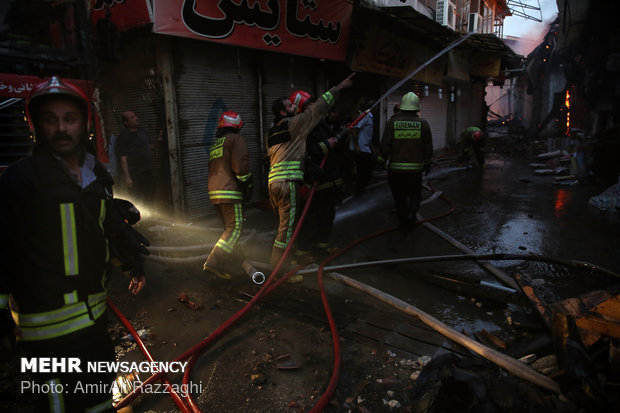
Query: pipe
x,y
491,257
515,367
258,277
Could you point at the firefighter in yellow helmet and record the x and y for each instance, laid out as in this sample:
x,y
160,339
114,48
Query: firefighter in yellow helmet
x,y
229,183
407,144
59,230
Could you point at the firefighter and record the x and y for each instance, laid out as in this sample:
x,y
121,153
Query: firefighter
x,y
230,183
408,145
472,139
286,148
322,142
60,228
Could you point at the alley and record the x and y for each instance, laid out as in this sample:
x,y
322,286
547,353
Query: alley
x,y
503,208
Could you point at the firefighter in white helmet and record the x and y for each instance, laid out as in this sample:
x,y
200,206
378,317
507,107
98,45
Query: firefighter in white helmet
x,y
60,228
229,183
407,144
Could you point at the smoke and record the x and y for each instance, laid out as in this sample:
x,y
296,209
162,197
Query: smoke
x,y
524,35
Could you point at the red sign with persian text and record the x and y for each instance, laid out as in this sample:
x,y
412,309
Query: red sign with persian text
x,y
315,28
20,86
125,14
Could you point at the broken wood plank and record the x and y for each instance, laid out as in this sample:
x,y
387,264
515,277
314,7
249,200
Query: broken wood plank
x,y
538,304
488,338
609,308
599,325
508,363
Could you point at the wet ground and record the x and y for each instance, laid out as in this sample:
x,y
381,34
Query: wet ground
x,y
279,356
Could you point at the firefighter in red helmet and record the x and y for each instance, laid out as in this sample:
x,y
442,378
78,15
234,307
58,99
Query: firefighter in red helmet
x,y
229,184
472,140
286,148
299,99
60,228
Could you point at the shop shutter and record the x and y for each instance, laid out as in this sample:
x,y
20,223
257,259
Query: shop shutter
x,y
210,79
284,74
434,110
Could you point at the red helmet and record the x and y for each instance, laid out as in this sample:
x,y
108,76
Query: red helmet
x,y
230,119
298,98
52,88
477,135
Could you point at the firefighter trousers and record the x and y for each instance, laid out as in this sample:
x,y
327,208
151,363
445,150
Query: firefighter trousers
x,y
223,252
317,228
283,196
407,192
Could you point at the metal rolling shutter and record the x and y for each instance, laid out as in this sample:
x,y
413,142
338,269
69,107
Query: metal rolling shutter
x,y
210,79
434,110
131,85
284,74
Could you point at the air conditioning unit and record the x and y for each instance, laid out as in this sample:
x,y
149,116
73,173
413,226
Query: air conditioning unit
x,y
446,13
474,23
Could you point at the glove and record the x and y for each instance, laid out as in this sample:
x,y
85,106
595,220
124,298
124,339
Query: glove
x,y
246,186
247,190
126,211
126,244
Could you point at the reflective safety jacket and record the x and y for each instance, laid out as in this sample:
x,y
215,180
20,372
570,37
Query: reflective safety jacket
x,y
286,141
54,252
229,166
407,142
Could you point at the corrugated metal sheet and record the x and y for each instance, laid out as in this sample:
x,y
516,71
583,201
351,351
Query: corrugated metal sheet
x,y
434,110
283,75
133,86
211,79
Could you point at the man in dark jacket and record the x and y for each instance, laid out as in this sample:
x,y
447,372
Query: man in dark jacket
x,y
134,152
60,228
408,145
229,183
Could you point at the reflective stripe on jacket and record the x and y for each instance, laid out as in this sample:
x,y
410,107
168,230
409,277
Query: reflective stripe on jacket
x,y
229,164
62,321
407,142
286,159
53,245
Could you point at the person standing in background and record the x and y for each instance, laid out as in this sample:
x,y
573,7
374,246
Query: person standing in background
x,y
134,152
361,146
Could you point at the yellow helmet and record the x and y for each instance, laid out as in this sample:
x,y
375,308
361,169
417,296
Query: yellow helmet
x,y
410,102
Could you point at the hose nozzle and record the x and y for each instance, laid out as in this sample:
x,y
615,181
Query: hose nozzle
x,y
257,277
